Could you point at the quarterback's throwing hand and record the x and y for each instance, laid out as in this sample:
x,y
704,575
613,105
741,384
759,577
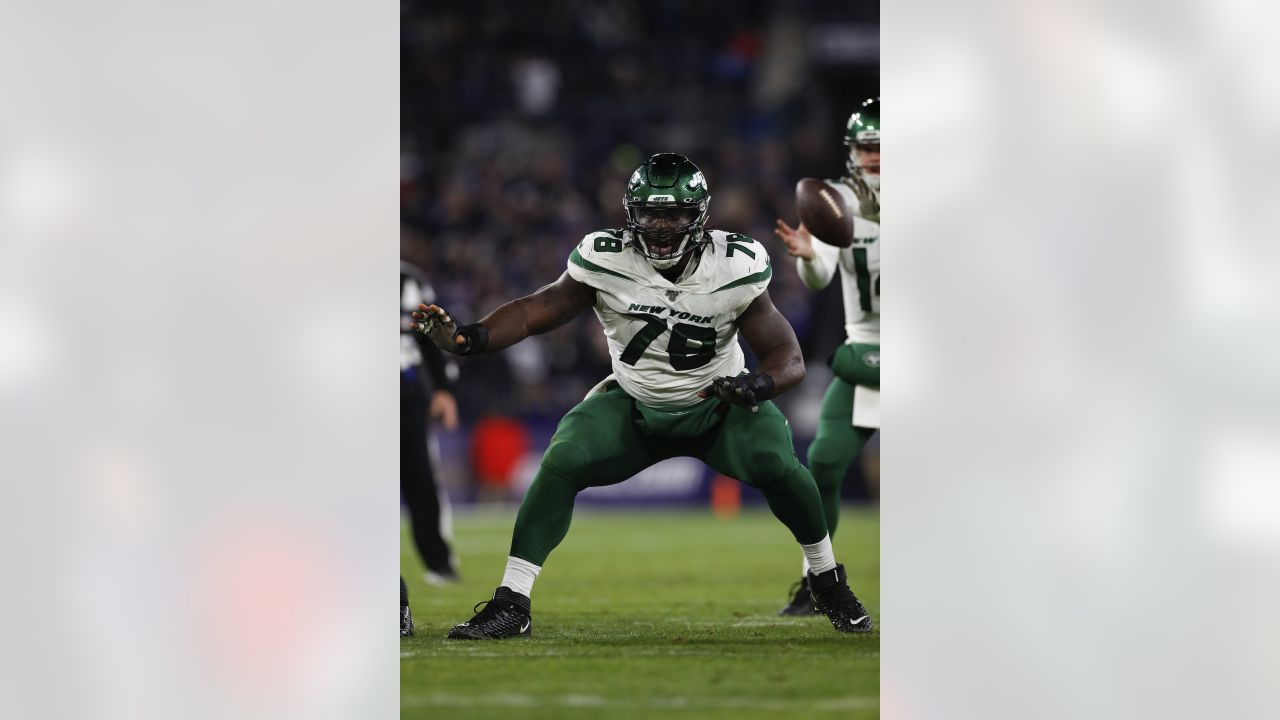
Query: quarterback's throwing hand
x,y
797,239
746,390
435,323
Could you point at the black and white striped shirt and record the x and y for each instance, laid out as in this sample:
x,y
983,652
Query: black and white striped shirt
x,y
416,351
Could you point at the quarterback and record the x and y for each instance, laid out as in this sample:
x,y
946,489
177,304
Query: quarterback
x,y
672,297
851,407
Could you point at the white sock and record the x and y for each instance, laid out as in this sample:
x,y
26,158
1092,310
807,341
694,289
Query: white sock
x,y
804,564
520,574
818,556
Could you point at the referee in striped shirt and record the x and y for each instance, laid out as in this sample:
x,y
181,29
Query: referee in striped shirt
x,y
426,379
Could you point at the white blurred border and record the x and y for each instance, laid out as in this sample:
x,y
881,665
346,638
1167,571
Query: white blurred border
x,y
198,230
1079,498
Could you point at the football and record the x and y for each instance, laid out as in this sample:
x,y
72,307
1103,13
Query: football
x,y
824,212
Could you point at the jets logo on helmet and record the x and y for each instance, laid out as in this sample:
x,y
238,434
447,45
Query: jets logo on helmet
x,y
666,202
862,136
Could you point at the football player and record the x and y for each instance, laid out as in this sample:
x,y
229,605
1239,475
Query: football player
x,y
851,407
672,297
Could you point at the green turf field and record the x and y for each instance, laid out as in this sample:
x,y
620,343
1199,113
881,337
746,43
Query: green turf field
x,y
646,614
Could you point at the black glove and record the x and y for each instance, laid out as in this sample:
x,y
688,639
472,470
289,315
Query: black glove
x,y
746,390
446,334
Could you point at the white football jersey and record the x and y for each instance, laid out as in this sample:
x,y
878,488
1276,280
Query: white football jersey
x,y
670,340
859,272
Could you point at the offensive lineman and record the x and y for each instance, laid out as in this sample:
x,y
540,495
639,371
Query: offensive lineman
x,y
672,297
851,407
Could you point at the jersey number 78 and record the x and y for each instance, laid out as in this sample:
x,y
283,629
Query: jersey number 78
x,y
690,346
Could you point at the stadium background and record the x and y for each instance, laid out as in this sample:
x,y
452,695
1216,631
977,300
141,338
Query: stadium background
x,y
519,129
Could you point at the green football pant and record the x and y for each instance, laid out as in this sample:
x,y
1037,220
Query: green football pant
x,y
599,443
838,441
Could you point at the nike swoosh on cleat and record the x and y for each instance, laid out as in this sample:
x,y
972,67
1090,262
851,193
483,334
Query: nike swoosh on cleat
x,y
526,626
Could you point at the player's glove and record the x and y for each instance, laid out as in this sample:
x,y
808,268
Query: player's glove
x,y
446,334
746,390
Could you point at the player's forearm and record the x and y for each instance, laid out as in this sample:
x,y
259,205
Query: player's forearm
x,y
506,326
543,311
785,364
817,272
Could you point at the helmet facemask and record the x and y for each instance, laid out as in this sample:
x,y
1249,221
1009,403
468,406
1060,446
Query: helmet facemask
x,y
858,167
665,232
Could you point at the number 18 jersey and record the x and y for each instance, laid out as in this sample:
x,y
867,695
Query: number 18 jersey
x,y
670,340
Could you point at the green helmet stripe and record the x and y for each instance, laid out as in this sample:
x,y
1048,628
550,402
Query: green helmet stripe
x,y
864,124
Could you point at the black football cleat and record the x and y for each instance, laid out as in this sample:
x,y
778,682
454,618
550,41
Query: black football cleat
x,y
406,616
505,616
801,600
833,598
406,622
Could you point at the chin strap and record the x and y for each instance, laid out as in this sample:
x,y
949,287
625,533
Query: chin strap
x,y
638,245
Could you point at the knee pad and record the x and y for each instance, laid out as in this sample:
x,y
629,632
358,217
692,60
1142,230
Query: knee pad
x,y
769,463
770,467
828,478
566,457
826,458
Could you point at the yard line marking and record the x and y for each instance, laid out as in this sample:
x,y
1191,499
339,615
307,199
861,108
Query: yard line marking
x,y
853,702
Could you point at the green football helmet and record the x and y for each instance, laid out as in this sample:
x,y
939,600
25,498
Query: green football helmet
x,y
863,131
666,202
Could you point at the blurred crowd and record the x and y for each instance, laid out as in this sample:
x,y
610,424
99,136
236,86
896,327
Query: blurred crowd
x,y
520,129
